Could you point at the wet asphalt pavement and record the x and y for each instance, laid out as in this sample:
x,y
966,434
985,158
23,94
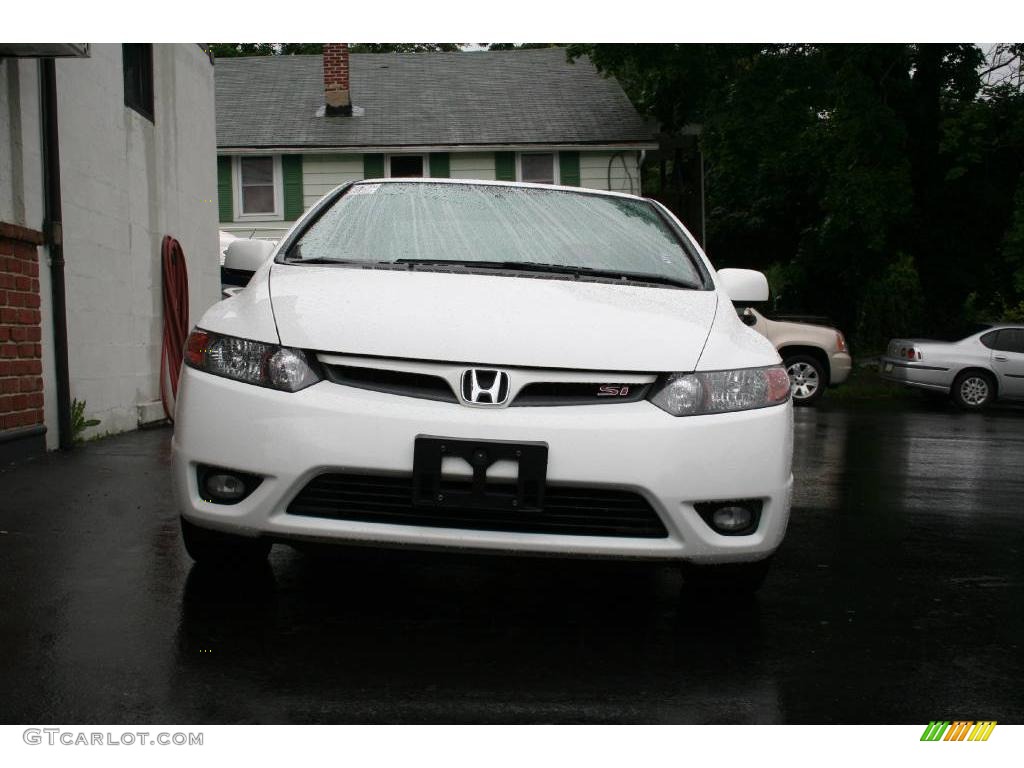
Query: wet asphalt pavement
x,y
898,597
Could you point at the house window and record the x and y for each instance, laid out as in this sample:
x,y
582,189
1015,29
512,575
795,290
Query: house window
x,y
137,62
258,190
538,167
407,166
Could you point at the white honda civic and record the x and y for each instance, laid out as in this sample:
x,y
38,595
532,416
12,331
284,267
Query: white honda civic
x,y
487,366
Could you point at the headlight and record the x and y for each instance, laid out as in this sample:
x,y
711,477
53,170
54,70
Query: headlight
x,y
253,362
692,394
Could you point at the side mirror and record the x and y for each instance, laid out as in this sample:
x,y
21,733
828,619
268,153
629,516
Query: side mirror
x,y
744,286
243,258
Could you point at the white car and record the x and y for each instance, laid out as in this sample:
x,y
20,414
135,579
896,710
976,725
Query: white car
x,y
487,366
974,371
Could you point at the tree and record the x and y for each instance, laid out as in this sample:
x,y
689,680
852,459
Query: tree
x,y
518,46
859,172
230,50
405,47
226,50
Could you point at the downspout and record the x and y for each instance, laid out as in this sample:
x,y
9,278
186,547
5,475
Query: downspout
x,y
53,232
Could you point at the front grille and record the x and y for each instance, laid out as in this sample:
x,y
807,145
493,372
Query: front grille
x,y
428,386
567,510
407,383
578,393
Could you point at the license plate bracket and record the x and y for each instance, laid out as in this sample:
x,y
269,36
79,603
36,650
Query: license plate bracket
x,y
430,489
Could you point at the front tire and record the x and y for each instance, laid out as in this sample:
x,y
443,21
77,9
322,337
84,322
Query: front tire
x,y
222,549
725,582
806,379
973,390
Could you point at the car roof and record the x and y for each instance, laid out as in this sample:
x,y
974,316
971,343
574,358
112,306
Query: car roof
x,y
1003,326
490,183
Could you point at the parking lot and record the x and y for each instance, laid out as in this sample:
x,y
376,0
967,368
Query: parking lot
x,y
897,597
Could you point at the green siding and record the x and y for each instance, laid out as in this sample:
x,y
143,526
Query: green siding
x,y
291,170
373,166
569,168
225,204
505,166
440,167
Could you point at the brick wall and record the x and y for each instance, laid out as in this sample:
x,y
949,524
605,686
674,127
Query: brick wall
x,y
21,367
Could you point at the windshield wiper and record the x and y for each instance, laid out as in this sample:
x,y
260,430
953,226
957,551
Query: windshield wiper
x,y
557,269
322,260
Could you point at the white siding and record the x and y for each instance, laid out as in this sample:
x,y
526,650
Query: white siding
x,y
322,173
126,182
259,230
625,171
472,165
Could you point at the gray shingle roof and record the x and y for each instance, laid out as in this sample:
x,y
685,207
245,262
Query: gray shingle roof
x,y
481,98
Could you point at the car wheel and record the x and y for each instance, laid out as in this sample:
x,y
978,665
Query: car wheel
x,y
217,548
973,390
806,379
710,582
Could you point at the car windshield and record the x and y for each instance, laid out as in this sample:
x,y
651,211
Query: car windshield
x,y
478,225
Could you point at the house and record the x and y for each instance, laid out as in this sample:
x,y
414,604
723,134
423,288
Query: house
x,y
291,128
104,150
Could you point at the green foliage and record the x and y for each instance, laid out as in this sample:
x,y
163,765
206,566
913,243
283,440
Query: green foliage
x,y
227,50
405,47
518,46
1013,242
78,421
850,172
996,310
893,305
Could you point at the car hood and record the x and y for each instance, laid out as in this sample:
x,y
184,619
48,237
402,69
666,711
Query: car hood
x,y
490,319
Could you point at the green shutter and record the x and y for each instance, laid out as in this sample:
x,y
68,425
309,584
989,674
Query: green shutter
x,y
225,204
569,168
505,166
373,166
291,170
440,167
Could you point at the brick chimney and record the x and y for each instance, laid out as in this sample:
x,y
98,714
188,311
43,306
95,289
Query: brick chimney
x,y
336,91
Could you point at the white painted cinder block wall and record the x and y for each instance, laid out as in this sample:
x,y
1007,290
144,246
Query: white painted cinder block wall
x,y
126,182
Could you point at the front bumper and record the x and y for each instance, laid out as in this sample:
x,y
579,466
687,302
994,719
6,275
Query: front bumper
x,y
289,438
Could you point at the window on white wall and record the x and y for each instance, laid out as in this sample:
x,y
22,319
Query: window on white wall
x,y
258,187
538,167
407,166
137,61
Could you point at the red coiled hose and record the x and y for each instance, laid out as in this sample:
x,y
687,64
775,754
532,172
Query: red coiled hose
x,y
175,290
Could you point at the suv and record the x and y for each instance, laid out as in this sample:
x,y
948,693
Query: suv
x,y
487,366
815,356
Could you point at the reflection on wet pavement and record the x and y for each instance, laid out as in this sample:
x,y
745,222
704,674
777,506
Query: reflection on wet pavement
x,y
898,597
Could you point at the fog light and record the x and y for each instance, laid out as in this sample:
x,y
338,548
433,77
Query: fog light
x,y
225,486
738,517
731,519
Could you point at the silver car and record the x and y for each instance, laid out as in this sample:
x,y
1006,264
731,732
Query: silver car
x,y
974,371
